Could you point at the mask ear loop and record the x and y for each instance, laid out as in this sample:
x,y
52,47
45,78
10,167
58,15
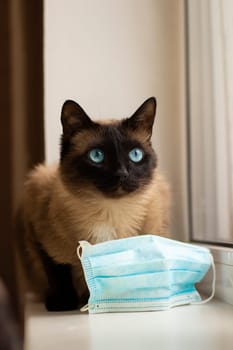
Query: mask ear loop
x,y
79,254
84,308
79,251
80,247
213,286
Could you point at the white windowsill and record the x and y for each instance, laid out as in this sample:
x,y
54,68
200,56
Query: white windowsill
x,y
222,255
223,258
207,327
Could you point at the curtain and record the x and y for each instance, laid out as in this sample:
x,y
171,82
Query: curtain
x,y
21,108
210,76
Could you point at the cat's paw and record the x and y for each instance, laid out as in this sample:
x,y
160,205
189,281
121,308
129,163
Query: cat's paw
x,y
61,300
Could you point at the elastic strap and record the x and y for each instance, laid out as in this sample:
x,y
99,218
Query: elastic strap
x,y
84,308
213,286
80,246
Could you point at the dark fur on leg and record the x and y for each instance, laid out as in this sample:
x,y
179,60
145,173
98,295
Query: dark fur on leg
x,y
61,295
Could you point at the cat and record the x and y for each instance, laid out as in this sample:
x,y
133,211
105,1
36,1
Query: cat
x,y
106,186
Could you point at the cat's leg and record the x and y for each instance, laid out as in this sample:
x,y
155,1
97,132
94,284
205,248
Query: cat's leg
x,y
61,294
31,273
80,284
49,280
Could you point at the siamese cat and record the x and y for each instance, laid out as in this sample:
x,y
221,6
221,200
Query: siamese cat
x,y
106,186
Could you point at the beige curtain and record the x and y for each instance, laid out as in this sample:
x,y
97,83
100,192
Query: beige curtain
x,y
210,29
21,117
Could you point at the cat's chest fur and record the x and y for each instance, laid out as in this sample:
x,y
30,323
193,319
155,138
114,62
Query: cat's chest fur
x,y
117,219
100,220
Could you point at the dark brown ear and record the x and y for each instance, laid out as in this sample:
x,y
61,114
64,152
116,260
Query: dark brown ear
x,y
74,118
143,118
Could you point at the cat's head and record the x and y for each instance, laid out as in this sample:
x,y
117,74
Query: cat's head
x,y
114,157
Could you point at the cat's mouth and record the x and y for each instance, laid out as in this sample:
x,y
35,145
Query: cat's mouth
x,y
118,188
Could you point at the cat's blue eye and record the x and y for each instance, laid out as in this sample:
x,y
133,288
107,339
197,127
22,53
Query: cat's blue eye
x,y
96,155
136,155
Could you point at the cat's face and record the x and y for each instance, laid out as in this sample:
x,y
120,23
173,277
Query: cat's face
x,y
115,157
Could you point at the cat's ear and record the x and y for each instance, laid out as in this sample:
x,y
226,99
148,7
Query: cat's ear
x,y
74,118
143,118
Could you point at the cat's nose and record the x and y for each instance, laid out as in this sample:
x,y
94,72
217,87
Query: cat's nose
x,y
122,173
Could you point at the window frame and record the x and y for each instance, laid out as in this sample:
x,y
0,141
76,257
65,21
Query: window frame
x,y
222,251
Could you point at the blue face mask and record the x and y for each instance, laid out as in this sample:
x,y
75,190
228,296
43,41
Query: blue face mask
x,y
142,273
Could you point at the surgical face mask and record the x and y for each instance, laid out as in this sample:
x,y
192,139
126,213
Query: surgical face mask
x,y
143,273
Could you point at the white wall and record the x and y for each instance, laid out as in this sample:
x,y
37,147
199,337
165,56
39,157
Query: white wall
x,y
110,55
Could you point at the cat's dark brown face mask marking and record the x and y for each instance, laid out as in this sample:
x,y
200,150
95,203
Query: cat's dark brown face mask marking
x,y
113,157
